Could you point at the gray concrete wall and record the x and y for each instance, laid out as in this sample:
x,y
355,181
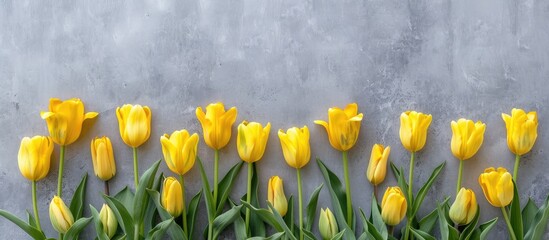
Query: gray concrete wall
x,y
285,62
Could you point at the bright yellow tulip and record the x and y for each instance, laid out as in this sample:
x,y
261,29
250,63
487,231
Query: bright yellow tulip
x,y
393,206
276,195
467,137
343,126
34,157
252,140
65,119
179,150
295,146
134,122
108,220
522,130
377,168
216,124
327,224
172,196
104,165
413,129
60,215
497,186
464,208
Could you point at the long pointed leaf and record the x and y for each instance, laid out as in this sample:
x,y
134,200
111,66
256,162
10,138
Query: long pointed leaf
x,y
77,202
539,224
126,196
175,230
31,231
191,214
124,218
224,220
225,186
141,200
311,208
377,220
76,228
257,227
515,214
421,235
210,208
528,214
99,232
423,191
370,228
159,230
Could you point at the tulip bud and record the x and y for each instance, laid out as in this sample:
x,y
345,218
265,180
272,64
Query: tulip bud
x,y
522,130
327,224
179,150
467,137
276,195
108,220
393,206
377,168
216,124
172,196
413,129
34,157
465,207
65,119
295,146
497,186
252,140
104,166
343,126
60,215
134,122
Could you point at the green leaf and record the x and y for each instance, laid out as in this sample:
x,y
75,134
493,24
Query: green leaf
x,y
239,228
30,230
403,187
377,220
224,220
539,223
257,227
77,202
470,228
289,217
308,235
141,200
272,218
482,232
225,186
275,236
279,219
447,231
210,208
370,228
175,230
31,219
425,188
311,209
101,235
515,214
191,214
125,196
427,223
528,214
124,218
76,228
421,235
339,235
150,214
160,230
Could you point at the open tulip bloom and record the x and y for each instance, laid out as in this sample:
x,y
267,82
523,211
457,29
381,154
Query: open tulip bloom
x,y
522,132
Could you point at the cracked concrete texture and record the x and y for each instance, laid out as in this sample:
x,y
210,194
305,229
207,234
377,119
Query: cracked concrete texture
x,y
285,62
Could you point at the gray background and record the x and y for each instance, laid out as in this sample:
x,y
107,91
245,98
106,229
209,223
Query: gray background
x,y
285,62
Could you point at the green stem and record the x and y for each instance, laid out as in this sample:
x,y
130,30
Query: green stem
x,y
184,213
300,194
407,232
515,171
390,230
460,172
347,187
35,207
375,193
411,177
60,175
136,230
509,226
135,169
249,197
216,171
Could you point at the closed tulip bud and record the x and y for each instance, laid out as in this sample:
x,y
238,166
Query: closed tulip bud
x,y
295,146
60,215
377,168
522,130
134,122
108,220
464,208
179,150
216,124
393,206
343,126
467,137
65,119
34,157
172,196
103,158
413,129
327,224
276,195
252,140
497,186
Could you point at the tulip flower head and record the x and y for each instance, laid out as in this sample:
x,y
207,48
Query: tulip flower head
x,y
393,206
34,157
252,140
467,137
327,224
377,168
172,196
108,220
413,129
179,150
343,126
102,154
60,215
497,186
464,208
522,130
134,123
216,124
276,196
295,146
65,119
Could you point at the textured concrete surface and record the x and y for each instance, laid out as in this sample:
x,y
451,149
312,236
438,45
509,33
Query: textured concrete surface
x,y
285,62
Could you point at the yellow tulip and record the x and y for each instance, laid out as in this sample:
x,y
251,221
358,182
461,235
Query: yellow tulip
x,y
464,208
522,130
108,220
179,150
413,129
60,215
104,165
343,126
393,206
497,186
216,124
276,195
327,224
467,137
172,196
377,168
65,119
134,122
252,140
34,157
295,146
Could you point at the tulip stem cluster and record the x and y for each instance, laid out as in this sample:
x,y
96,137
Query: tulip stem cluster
x,y
184,212
300,194
249,196
509,226
216,172
460,172
135,169
35,207
347,187
515,171
60,175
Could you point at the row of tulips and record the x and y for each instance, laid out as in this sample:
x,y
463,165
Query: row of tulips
x,y
158,204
